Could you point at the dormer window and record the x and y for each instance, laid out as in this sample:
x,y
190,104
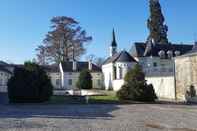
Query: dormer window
x,y
177,53
162,54
170,54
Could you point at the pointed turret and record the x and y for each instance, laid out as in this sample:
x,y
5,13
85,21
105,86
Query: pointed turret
x,y
113,46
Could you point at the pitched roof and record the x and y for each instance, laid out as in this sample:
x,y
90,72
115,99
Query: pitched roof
x,y
68,67
122,56
139,49
2,68
3,63
51,68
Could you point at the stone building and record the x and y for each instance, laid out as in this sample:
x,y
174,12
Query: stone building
x,y
63,76
157,61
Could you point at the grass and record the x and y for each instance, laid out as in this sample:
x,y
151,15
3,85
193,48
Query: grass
x,y
108,98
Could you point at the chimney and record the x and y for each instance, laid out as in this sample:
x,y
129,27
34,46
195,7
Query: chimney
x,y
90,65
74,65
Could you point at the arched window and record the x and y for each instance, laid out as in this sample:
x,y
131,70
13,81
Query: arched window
x,y
120,73
114,73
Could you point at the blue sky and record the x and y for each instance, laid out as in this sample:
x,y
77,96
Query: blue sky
x,y
24,23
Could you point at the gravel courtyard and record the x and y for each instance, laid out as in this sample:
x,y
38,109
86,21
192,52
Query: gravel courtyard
x,y
134,117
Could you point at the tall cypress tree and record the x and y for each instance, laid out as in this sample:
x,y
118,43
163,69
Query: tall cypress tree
x,y
156,24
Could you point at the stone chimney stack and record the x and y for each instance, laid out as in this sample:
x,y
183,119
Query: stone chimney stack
x,y
74,65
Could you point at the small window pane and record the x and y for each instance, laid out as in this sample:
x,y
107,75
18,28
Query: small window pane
x,y
57,81
70,81
99,82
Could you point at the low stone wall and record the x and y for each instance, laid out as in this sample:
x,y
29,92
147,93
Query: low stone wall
x,y
164,86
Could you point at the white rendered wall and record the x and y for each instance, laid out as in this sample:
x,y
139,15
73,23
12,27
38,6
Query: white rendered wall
x,y
108,75
117,84
164,86
75,75
54,77
160,76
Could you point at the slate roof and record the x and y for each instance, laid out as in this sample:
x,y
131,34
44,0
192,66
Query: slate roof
x,y
51,68
138,50
122,56
3,63
68,67
2,68
194,49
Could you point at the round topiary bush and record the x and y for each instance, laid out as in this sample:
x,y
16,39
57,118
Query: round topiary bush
x,y
29,84
135,87
84,80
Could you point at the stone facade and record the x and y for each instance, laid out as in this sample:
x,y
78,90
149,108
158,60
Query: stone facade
x,y
186,75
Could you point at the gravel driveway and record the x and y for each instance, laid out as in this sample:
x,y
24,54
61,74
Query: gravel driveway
x,y
136,117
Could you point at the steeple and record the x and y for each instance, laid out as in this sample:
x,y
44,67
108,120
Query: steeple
x,y
113,46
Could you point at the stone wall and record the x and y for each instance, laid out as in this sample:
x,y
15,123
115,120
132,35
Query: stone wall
x,y
186,75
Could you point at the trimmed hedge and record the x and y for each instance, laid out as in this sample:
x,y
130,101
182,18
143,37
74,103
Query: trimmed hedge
x,y
29,84
84,80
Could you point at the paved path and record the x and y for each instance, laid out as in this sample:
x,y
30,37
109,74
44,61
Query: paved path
x,y
136,117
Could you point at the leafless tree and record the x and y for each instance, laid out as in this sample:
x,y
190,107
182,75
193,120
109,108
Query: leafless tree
x,y
64,42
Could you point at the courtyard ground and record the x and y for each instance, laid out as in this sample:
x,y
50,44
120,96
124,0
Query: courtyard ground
x,y
98,117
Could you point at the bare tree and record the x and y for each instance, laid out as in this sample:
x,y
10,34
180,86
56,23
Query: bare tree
x,y
41,55
97,60
66,40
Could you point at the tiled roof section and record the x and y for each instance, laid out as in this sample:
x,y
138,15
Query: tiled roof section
x,y
51,68
122,56
139,49
68,67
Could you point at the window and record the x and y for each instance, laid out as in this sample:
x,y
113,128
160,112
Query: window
x,y
70,82
57,82
98,82
1,82
114,73
155,64
120,71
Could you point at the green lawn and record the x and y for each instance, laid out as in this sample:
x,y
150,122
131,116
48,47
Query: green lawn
x,y
108,98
